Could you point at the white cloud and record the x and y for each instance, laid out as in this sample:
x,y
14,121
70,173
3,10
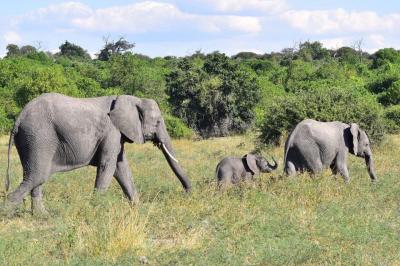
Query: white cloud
x,y
157,16
376,40
139,17
229,23
58,11
12,37
340,20
370,43
270,6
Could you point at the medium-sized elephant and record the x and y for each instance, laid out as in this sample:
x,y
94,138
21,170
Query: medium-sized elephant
x,y
56,133
313,146
234,169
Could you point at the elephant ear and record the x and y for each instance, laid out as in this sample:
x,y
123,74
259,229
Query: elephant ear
x,y
251,160
354,130
125,117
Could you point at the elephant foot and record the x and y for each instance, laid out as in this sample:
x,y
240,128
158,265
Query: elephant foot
x,y
134,202
38,208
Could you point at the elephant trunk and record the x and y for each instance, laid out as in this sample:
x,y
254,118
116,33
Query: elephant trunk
x,y
370,166
166,148
269,168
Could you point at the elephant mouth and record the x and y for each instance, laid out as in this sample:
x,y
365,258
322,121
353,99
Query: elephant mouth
x,y
362,154
150,136
162,146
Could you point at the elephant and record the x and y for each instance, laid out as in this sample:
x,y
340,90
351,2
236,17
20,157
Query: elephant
x,y
56,133
314,145
234,169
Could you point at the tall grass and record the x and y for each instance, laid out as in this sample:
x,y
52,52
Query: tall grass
x,y
271,220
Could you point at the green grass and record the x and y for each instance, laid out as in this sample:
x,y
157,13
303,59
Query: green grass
x,y
271,220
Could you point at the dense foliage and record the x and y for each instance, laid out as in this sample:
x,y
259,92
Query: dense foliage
x,y
214,94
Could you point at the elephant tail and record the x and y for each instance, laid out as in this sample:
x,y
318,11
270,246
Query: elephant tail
x,y
10,143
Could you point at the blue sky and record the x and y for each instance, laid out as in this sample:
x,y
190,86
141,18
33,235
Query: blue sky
x,y
179,27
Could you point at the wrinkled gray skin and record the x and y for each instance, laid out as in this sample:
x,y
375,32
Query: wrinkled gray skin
x,y
315,145
231,170
56,133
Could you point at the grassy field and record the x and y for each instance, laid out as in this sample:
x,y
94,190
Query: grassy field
x,y
269,221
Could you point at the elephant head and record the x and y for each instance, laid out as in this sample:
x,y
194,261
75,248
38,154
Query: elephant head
x,y
360,146
140,120
258,164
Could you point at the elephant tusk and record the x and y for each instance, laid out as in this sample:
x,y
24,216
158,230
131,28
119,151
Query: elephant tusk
x,y
169,154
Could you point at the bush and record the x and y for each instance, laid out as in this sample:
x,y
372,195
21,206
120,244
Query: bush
x,y
392,115
391,95
323,104
386,55
215,97
176,128
36,81
138,76
383,78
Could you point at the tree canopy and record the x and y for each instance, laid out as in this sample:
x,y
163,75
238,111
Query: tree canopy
x,y
214,94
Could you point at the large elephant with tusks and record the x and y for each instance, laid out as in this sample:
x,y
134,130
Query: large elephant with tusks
x,y
56,133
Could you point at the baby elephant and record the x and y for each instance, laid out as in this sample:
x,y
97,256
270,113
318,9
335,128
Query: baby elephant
x,y
234,169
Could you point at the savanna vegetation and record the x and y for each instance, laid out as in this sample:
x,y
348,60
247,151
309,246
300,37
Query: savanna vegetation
x,y
253,100
216,95
273,220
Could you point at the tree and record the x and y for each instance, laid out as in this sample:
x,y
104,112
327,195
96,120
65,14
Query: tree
x,y
137,76
72,50
246,55
357,46
215,96
309,51
27,49
386,55
12,50
347,55
391,95
111,48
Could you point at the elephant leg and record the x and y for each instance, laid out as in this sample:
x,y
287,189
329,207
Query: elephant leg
x,y
344,172
123,175
341,167
104,175
315,166
290,169
235,178
224,182
107,161
32,180
37,201
334,168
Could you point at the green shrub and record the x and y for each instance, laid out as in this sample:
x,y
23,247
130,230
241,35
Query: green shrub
x,y
215,97
391,95
35,81
176,128
392,115
323,104
138,76
386,55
